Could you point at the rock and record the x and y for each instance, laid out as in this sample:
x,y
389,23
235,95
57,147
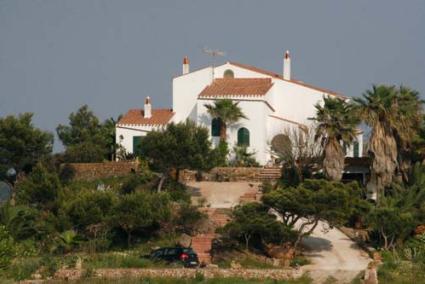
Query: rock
x,y
377,258
276,262
371,275
79,263
420,230
185,240
285,253
235,265
36,276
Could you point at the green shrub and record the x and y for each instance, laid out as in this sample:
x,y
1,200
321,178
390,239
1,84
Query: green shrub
x,y
50,266
253,226
299,261
199,276
7,250
187,218
414,249
23,268
118,260
177,191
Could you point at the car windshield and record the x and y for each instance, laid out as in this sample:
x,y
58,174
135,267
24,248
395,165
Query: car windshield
x,y
188,250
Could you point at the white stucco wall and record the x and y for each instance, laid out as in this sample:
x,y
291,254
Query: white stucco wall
x,y
124,134
256,111
285,99
186,89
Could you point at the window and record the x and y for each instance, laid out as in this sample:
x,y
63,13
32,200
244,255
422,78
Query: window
x,y
215,127
228,74
137,142
356,149
243,137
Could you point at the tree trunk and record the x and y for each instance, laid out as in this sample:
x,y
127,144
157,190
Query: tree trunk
x,y
177,174
161,182
301,235
128,238
333,163
223,130
383,150
247,237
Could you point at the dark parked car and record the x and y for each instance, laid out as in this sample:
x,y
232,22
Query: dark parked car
x,y
186,256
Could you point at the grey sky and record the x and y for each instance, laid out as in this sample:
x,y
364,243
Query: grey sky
x,y
58,55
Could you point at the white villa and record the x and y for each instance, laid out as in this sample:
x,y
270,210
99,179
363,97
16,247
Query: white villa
x,y
271,102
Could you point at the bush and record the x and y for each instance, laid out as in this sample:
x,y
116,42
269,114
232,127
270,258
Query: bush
x,y
187,218
253,226
136,180
177,191
243,158
88,208
42,189
7,250
23,268
66,173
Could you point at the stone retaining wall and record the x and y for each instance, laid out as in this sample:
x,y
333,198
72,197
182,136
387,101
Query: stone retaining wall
x,y
109,273
226,174
92,171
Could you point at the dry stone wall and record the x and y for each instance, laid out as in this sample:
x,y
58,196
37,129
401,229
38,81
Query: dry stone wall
x,y
92,171
261,274
226,174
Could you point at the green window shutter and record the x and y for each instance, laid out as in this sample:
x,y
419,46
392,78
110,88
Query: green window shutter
x,y
137,142
215,127
243,137
356,148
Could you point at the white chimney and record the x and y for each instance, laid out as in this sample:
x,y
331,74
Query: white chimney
x,y
185,65
148,108
287,66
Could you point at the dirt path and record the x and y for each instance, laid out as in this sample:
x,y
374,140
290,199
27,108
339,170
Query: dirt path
x,y
334,255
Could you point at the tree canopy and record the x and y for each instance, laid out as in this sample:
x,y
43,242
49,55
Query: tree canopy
x,y
179,146
22,144
336,129
86,139
395,115
302,207
227,112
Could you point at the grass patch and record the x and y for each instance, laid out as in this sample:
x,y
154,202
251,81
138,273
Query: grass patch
x,y
22,268
399,271
299,261
119,260
245,259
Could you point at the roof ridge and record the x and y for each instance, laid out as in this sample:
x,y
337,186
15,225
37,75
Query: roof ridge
x,y
278,76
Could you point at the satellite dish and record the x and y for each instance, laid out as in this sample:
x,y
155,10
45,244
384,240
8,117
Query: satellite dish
x,y
11,172
5,192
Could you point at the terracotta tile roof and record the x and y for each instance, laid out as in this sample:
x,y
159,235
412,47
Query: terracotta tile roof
x,y
136,116
279,76
237,87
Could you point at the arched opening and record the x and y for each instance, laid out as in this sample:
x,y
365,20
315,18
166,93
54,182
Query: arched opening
x,y
243,137
215,127
281,144
228,74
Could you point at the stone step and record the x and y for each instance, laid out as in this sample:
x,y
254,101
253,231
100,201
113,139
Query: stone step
x,y
201,244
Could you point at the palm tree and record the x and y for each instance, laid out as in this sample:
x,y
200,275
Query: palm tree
x,y
336,129
227,112
394,116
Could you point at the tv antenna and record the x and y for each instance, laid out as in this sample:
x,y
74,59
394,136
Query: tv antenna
x,y
213,53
